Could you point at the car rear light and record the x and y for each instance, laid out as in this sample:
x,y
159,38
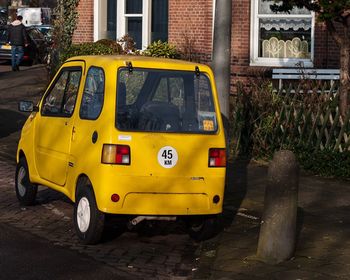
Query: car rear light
x,y
116,154
115,197
217,157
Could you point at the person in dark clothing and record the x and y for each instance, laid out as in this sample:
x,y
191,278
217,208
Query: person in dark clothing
x,y
17,37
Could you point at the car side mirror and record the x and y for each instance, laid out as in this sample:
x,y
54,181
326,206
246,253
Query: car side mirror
x,y
27,106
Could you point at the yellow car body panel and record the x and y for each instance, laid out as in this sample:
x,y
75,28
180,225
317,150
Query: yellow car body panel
x,y
59,150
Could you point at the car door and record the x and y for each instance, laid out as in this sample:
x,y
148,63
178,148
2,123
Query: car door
x,y
89,126
54,127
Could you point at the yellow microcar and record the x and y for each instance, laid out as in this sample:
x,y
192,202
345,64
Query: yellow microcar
x,y
129,135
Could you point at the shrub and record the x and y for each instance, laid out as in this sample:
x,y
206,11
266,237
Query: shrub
x,y
128,45
116,48
161,49
86,49
304,119
327,162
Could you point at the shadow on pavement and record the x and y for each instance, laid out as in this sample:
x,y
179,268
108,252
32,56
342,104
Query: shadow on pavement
x,y
235,189
10,121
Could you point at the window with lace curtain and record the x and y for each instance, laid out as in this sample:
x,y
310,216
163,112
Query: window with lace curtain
x,y
282,39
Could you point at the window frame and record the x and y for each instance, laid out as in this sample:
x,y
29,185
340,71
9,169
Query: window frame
x,y
82,96
122,18
69,69
255,60
143,98
146,17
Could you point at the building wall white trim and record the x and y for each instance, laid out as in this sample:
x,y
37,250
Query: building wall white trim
x,y
96,19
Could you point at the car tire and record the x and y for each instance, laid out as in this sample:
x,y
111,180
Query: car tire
x,y
88,220
25,190
203,227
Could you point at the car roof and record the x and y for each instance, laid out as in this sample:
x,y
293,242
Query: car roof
x,y
138,61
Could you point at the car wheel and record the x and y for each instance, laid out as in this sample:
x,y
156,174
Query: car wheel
x,y
88,220
203,228
25,190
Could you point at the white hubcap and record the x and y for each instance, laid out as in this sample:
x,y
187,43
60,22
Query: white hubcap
x,y
21,188
83,214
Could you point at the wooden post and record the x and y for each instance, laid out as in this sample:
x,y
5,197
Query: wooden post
x,y
222,52
278,227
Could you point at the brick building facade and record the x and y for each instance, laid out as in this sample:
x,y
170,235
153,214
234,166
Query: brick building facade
x,y
85,28
189,26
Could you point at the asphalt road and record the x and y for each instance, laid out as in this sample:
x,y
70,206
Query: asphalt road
x,y
24,256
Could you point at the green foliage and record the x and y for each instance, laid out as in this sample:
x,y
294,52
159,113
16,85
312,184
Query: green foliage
x,y
64,24
113,45
86,49
161,49
66,18
326,9
128,45
328,163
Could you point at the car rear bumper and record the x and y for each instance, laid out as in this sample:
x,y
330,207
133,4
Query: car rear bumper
x,y
6,55
161,196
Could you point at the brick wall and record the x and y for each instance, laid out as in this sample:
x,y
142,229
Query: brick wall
x,y
240,38
193,19
85,28
190,27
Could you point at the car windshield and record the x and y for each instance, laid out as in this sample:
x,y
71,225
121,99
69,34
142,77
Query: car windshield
x,y
165,101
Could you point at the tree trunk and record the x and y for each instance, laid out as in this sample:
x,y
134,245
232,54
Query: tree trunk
x,y
342,38
222,52
344,77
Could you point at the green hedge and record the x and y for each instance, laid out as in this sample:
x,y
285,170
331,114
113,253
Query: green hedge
x,y
87,49
328,163
161,49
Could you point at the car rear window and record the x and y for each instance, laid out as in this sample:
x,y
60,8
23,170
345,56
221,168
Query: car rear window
x,y
165,101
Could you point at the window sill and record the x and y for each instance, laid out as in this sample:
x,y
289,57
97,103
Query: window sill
x,y
273,62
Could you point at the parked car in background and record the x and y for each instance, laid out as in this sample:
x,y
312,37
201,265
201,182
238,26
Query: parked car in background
x,y
35,52
46,30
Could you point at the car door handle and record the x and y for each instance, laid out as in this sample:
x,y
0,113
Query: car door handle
x,y
73,133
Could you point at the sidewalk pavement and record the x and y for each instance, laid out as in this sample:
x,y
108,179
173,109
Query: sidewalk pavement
x,y
323,242
323,228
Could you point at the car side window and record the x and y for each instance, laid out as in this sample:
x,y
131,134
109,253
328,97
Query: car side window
x,y
60,101
35,34
93,95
